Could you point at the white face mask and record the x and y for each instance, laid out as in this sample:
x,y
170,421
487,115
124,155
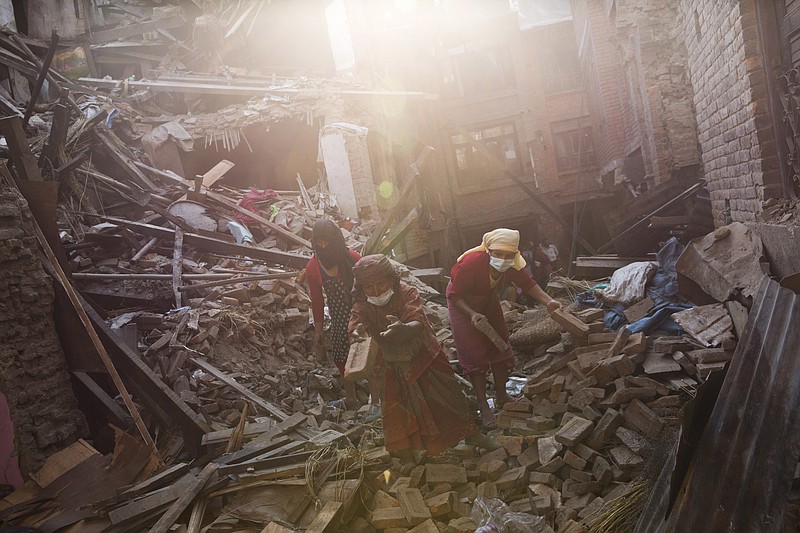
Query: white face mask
x,y
501,265
381,299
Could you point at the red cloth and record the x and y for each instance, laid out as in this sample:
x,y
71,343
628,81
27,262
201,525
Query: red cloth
x,y
423,404
314,282
469,281
249,203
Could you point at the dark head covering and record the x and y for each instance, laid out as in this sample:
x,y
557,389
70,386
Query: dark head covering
x,y
371,268
336,253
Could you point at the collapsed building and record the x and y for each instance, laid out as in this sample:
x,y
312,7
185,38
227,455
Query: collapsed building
x,y
164,163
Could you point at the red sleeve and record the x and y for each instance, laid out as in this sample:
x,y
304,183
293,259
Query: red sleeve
x,y
463,278
314,282
413,306
355,254
521,279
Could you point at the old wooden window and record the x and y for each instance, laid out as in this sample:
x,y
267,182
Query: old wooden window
x,y
474,72
572,141
472,167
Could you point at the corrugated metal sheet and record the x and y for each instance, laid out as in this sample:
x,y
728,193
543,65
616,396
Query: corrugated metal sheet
x,y
740,478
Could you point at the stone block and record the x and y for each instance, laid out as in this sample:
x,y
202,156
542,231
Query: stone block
x,y
443,473
388,517
609,422
574,460
442,504
573,431
548,448
413,506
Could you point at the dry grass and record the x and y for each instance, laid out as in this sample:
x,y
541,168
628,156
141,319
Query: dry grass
x,y
620,514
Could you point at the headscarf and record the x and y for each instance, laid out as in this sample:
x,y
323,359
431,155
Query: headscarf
x,y
506,240
371,268
336,253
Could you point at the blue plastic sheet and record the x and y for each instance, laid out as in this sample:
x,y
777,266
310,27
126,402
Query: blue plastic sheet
x,y
662,289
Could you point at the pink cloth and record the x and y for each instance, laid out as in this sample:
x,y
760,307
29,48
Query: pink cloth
x,y
9,464
469,281
249,203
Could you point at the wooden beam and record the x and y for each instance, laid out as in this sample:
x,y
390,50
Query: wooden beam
x,y
250,90
176,509
177,267
110,141
398,230
131,30
210,244
269,407
117,415
43,70
153,392
216,173
58,132
18,148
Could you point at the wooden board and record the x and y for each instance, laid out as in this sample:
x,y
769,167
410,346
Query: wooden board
x,y
62,462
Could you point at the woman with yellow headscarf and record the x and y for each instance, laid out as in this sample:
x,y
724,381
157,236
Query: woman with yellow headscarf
x,y
473,296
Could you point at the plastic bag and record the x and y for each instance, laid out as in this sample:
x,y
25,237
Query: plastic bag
x,y
491,514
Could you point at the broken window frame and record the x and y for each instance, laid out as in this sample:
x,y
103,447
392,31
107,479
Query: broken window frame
x,y
570,152
560,64
463,76
471,167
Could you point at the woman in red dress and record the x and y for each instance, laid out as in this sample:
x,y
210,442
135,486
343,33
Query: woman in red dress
x,y
423,404
329,276
476,281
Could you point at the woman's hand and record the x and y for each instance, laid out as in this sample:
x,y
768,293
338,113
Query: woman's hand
x,y
398,331
553,306
359,333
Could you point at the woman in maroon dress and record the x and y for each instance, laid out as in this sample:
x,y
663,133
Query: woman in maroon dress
x,y
476,281
423,404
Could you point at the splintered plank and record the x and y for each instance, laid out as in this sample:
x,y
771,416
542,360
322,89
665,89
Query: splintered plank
x,y
324,518
63,461
171,515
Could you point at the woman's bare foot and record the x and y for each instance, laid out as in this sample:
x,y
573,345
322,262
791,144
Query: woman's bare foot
x,y
504,399
482,441
488,417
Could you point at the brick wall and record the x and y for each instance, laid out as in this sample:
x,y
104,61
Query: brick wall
x,y
611,112
735,135
33,373
632,47
547,107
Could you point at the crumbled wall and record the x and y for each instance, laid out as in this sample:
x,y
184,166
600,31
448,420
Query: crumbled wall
x,y
33,372
654,94
361,171
739,157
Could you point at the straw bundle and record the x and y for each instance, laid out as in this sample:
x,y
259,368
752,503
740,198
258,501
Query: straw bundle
x,y
620,514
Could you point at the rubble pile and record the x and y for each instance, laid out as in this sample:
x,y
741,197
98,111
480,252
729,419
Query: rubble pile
x,y
195,288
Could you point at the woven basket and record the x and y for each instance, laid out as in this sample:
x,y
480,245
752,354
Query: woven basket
x,y
538,328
